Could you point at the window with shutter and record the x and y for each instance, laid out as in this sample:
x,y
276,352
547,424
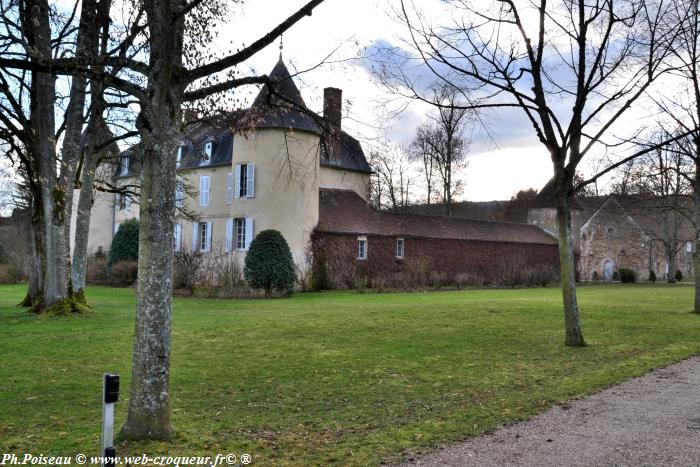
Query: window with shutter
x,y
243,189
179,195
204,236
239,225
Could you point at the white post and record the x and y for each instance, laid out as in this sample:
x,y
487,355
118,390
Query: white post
x,y
110,392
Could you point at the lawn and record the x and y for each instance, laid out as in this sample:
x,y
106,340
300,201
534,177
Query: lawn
x,y
340,377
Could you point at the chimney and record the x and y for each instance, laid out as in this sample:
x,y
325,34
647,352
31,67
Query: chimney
x,y
332,113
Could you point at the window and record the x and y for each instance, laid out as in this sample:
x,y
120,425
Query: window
x,y
204,186
179,195
201,236
689,247
208,151
244,181
124,165
361,248
123,201
399,248
243,230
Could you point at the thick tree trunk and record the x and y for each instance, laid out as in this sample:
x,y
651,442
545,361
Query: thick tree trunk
x,y
149,411
159,126
574,334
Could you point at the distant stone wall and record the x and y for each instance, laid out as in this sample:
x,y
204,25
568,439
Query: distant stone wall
x,y
426,259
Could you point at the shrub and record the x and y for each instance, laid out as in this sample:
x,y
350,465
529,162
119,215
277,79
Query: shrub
x,y
678,275
652,275
627,275
596,278
4,256
269,264
186,266
616,276
10,273
125,245
124,273
96,272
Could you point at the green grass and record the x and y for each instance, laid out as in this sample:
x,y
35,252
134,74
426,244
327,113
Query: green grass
x,y
346,378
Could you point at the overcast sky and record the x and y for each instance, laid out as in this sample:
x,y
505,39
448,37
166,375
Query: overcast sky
x,y
353,26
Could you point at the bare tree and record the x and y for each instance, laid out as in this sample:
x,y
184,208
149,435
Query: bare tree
x,y
160,76
445,144
681,111
572,68
392,168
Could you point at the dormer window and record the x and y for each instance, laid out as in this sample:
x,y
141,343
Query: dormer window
x,y
123,165
180,150
208,151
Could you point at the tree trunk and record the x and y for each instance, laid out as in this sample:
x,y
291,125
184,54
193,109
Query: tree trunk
x,y
696,207
671,261
35,291
159,127
82,222
574,335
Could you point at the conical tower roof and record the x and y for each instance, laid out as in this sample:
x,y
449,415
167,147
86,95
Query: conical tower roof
x,y
280,105
285,91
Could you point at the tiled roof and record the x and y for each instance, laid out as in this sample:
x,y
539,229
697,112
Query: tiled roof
x,y
343,211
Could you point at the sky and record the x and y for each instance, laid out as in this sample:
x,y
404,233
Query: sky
x,y
345,29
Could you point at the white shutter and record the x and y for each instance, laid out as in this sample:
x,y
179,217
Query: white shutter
x,y
195,228
229,188
204,190
250,189
229,234
209,229
237,184
178,237
248,231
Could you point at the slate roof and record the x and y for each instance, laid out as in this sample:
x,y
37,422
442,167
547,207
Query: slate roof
x,y
345,212
277,106
194,147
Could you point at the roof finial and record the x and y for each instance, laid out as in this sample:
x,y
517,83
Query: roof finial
x,y
281,45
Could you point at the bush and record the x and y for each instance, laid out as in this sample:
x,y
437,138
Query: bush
x,y
627,275
186,266
11,273
616,276
269,264
124,273
652,275
125,245
96,272
4,256
678,275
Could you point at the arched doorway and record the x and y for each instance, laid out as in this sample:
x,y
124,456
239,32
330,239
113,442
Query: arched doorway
x,y
608,267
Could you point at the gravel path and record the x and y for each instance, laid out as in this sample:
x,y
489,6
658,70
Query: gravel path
x,y
649,421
